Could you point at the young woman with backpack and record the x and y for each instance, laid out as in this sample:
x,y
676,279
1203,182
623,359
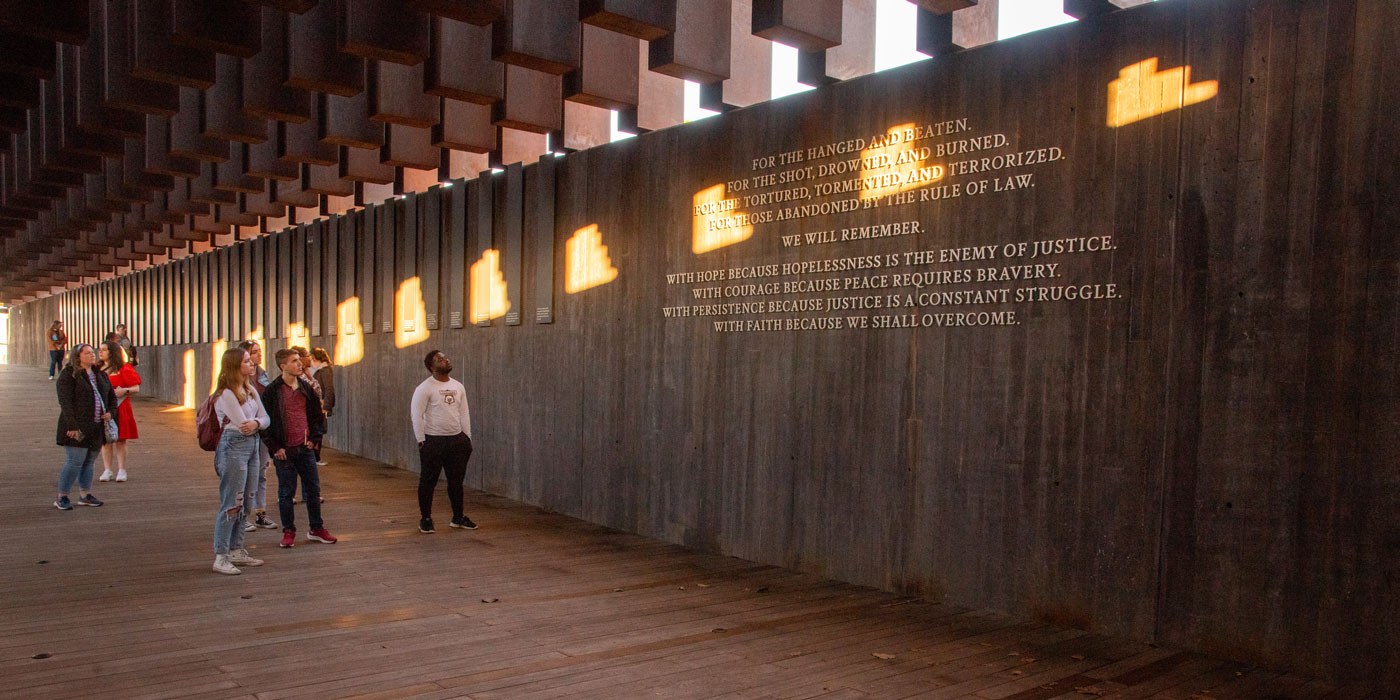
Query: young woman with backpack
x,y
240,415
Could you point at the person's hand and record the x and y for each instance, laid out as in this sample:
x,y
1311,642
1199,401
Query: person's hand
x,y
106,417
328,413
280,454
308,445
248,427
421,443
74,435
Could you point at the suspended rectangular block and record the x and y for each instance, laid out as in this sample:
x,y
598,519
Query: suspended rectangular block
x,y
408,147
533,101
155,57
699,48
314,63
642,19
382,30
346,124
202,188
158,156
479,12
221,107
229,175
363,165
232,28
264,95
607,77
460,65
178,200
541,35
465,126
326,180
396,96
301,143
62,20
262,204
186,135
263,161
807,25
92,114
943,7
293,194
121,89
26,55
233,215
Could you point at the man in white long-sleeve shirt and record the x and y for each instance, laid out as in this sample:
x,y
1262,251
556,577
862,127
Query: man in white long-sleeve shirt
x,y
442,423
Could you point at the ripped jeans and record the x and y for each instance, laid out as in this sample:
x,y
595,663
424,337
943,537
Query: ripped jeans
x,y
236,461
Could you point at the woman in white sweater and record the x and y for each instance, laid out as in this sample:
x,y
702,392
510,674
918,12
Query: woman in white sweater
x,y
241,414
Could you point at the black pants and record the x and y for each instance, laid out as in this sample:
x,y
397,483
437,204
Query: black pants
x,y
441,453
300,462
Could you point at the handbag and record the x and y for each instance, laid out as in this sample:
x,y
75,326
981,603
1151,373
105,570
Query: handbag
x,y
109,428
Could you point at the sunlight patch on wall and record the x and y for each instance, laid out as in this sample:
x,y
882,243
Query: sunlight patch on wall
x,y
1141,91
189,401
297,336
717,221
894,164
217,354
488,288
411,314
586,263
349,342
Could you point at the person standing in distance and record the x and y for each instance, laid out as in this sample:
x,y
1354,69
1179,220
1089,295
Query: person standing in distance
x,y
58,343
442,423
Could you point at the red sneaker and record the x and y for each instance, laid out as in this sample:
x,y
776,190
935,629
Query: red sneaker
x,y
289,538
321,535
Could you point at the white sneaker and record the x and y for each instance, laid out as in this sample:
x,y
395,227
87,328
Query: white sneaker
x,y
241,557
249,527
121,475
322,464
222,565
106,475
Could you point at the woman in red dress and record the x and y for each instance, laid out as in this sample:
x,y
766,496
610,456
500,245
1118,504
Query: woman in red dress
x,y
125,381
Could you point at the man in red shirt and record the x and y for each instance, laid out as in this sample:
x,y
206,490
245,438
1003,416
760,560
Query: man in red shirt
x,y
297,423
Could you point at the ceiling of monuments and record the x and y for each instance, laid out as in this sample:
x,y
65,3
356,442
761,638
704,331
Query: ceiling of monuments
x,y
136,131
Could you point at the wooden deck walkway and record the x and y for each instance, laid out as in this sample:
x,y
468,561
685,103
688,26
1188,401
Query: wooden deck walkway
x,y
119,602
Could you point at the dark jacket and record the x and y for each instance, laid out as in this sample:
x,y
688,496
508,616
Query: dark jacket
x,y
275,437
326,376
77,407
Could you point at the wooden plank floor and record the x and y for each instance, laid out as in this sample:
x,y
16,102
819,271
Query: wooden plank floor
x,y
119,602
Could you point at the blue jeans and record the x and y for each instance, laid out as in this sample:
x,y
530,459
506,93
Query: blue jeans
x,y
77,467
236,461
55,361
300,462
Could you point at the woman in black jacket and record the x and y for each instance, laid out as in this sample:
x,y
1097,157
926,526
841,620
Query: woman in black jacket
x,y
84,396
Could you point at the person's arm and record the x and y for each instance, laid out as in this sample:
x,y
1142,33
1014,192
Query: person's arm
x,y
273,408
260,415
67,409
416,408
466,415
131,379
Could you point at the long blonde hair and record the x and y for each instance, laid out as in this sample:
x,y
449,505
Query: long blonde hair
x,y
231,374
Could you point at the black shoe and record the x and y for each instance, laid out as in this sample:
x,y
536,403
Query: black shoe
x,y
425,526
463,522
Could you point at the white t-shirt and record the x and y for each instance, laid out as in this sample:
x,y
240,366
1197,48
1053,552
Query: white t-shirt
x,y
440,408
227,407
